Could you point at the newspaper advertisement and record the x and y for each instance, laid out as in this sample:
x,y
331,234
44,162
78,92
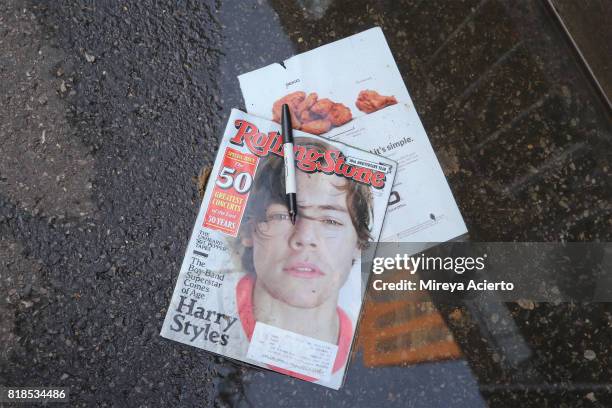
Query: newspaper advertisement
x,y
256,288
352,91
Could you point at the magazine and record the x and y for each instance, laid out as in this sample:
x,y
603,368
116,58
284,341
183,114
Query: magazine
x,y
352,91
256,288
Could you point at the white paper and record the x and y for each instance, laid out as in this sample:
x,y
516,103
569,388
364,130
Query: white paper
x,y
292,351
338,71
422,207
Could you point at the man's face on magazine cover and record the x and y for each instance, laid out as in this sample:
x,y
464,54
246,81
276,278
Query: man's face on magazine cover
x,y
306,264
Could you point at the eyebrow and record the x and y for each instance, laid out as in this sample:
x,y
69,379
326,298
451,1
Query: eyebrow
x,y
324,207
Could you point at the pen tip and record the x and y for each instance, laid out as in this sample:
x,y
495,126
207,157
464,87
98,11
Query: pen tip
x,y
286,116
293,217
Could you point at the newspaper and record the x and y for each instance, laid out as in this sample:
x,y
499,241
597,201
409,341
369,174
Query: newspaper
x,y
256,288
352,91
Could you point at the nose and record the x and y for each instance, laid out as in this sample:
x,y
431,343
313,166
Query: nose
x,y
304,235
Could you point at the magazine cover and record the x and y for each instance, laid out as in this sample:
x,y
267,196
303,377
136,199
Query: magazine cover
x,y
352,91
256,288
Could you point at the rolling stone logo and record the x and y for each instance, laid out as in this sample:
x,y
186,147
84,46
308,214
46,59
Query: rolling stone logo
x,y
309,160
233,183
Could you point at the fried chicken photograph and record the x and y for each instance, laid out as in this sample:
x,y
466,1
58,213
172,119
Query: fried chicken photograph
x,y
307,103
370,101
307,116
339,114
317,127
322,107
311,114
317,116
293,100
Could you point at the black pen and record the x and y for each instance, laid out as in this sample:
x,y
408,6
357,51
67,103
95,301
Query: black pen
x,y
290,184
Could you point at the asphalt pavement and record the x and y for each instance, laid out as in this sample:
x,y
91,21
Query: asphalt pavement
x,y
109,112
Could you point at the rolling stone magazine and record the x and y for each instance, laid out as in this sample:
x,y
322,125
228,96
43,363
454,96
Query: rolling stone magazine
x,y
256,288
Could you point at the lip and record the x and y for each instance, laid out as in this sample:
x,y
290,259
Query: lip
x,y
304,270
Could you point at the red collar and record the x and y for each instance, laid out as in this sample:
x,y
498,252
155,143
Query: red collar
x,y
244,301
